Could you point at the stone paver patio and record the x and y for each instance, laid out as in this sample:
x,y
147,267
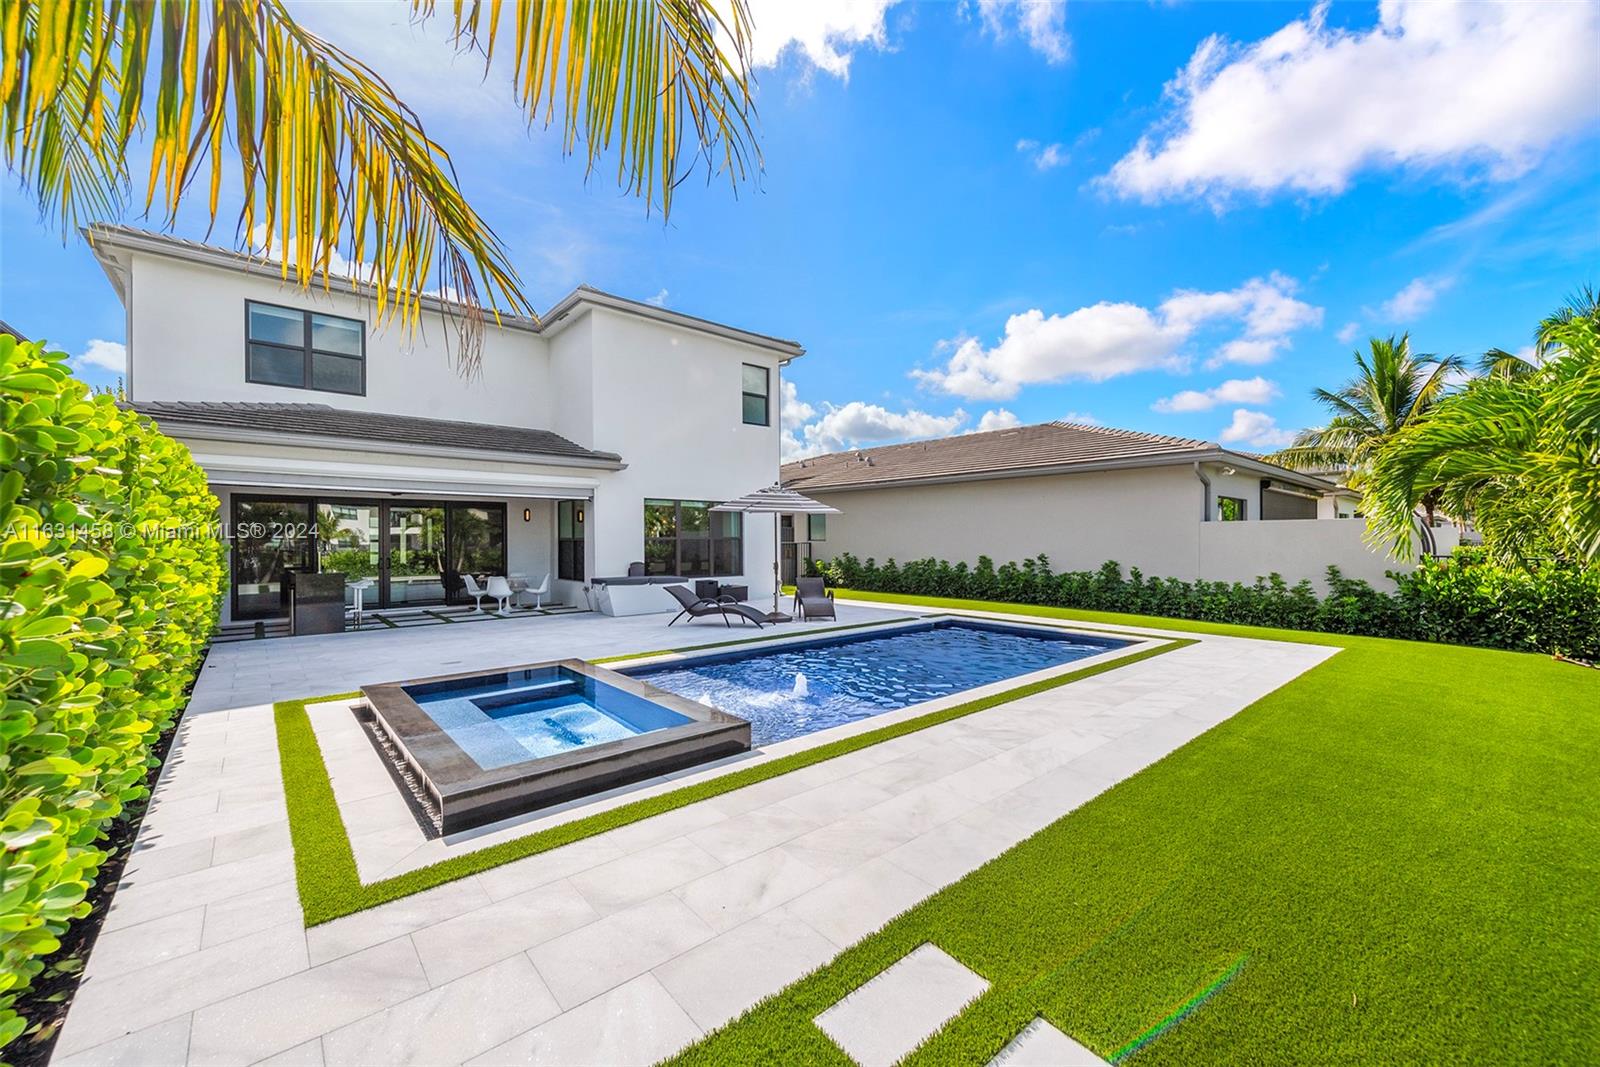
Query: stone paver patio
x,y
620,948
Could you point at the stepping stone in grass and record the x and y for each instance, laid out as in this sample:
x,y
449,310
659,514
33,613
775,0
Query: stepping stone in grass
x,y
896,1011
1042,1045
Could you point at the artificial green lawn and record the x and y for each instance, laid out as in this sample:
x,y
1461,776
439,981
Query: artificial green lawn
x,y
1394,858
325,866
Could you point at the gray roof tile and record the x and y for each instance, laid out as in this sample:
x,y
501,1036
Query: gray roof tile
x,y
1047,446
323,420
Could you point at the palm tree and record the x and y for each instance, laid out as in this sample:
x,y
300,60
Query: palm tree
x,y
1392,389
1520,454
329,160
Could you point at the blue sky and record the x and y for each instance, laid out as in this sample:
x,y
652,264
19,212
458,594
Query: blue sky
x,y
1176,218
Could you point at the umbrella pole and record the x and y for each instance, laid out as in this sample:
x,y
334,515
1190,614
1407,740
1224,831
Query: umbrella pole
x,y
777,575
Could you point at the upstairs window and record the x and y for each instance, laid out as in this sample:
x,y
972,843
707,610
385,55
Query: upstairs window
x,y
757,396
304,349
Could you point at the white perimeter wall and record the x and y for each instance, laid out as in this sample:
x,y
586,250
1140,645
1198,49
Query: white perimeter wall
x,y
1294,548
1145,518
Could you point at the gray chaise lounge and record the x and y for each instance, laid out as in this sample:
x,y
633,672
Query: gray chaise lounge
x,y
812,599
698,607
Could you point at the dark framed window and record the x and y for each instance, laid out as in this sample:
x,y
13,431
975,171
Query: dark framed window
x,y
757,395
304,349
569,540
1231,508
816,527
686,538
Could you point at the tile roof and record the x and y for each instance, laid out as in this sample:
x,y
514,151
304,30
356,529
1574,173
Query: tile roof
x,y
1046,447
325,421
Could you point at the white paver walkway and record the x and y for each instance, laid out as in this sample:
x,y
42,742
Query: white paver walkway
x,y
617,949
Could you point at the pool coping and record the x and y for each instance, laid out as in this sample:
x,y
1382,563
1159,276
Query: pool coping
x,y
468,796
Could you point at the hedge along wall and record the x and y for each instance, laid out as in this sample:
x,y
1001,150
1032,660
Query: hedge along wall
x,y
111,576
1463,600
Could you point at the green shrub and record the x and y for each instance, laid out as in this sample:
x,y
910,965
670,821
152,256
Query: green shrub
x,y
104,609
1465,599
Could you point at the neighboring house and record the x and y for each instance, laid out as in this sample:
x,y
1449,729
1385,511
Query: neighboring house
x,y
588,440
1171,506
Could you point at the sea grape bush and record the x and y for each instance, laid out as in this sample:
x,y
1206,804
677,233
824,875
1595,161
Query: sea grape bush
x,y
110,580
1465,599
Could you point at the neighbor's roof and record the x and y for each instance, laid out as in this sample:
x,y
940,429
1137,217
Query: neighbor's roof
x,y
104,236
306,423
1048,448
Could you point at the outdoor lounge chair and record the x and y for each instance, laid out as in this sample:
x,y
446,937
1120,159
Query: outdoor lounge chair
x,y
697,607
812,599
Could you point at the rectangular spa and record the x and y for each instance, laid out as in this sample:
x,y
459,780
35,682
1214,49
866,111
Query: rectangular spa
x,y
484,746
799,688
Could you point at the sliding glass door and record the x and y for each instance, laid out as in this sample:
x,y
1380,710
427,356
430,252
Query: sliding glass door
x,y
414,572
415,552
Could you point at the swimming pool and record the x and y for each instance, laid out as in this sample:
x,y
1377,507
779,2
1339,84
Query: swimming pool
x,y
800,688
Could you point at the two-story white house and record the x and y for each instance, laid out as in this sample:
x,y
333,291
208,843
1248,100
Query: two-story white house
x,y
592,439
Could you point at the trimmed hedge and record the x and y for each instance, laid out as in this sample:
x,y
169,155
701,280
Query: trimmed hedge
x,y
1462,600
111,574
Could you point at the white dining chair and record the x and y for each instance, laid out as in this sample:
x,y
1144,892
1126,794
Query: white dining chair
x,y
538,593
499,589
475,591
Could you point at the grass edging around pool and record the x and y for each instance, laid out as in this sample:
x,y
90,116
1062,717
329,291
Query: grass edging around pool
x,y
326,874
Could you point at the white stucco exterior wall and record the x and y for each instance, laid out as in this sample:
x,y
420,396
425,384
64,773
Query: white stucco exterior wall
x,y
187,342
1143,517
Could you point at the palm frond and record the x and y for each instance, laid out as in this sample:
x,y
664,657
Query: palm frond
x,y
664,85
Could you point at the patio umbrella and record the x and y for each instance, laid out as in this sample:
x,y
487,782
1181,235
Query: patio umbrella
x,y
776,500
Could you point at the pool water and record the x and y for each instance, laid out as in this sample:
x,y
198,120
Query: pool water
x,y
511,717
849,678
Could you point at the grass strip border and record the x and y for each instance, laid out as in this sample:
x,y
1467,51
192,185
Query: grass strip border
x,y
330,885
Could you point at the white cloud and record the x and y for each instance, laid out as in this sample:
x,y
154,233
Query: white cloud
x,y
1106,340
824,33
1233,391
796,412
1481,85
1255,428
1044,157
106,355
1348,332
998,419
1079,418
1415,299
1042,23
659,300
806,432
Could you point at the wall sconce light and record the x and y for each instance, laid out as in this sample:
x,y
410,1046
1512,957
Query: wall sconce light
x,y
580,514
527,514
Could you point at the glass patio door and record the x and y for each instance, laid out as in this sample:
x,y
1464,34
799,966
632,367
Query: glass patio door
x,y
271,537
477,539
413,564
348,544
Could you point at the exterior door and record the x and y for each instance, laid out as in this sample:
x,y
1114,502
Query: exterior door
x,y
477,540
413,566
270,538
